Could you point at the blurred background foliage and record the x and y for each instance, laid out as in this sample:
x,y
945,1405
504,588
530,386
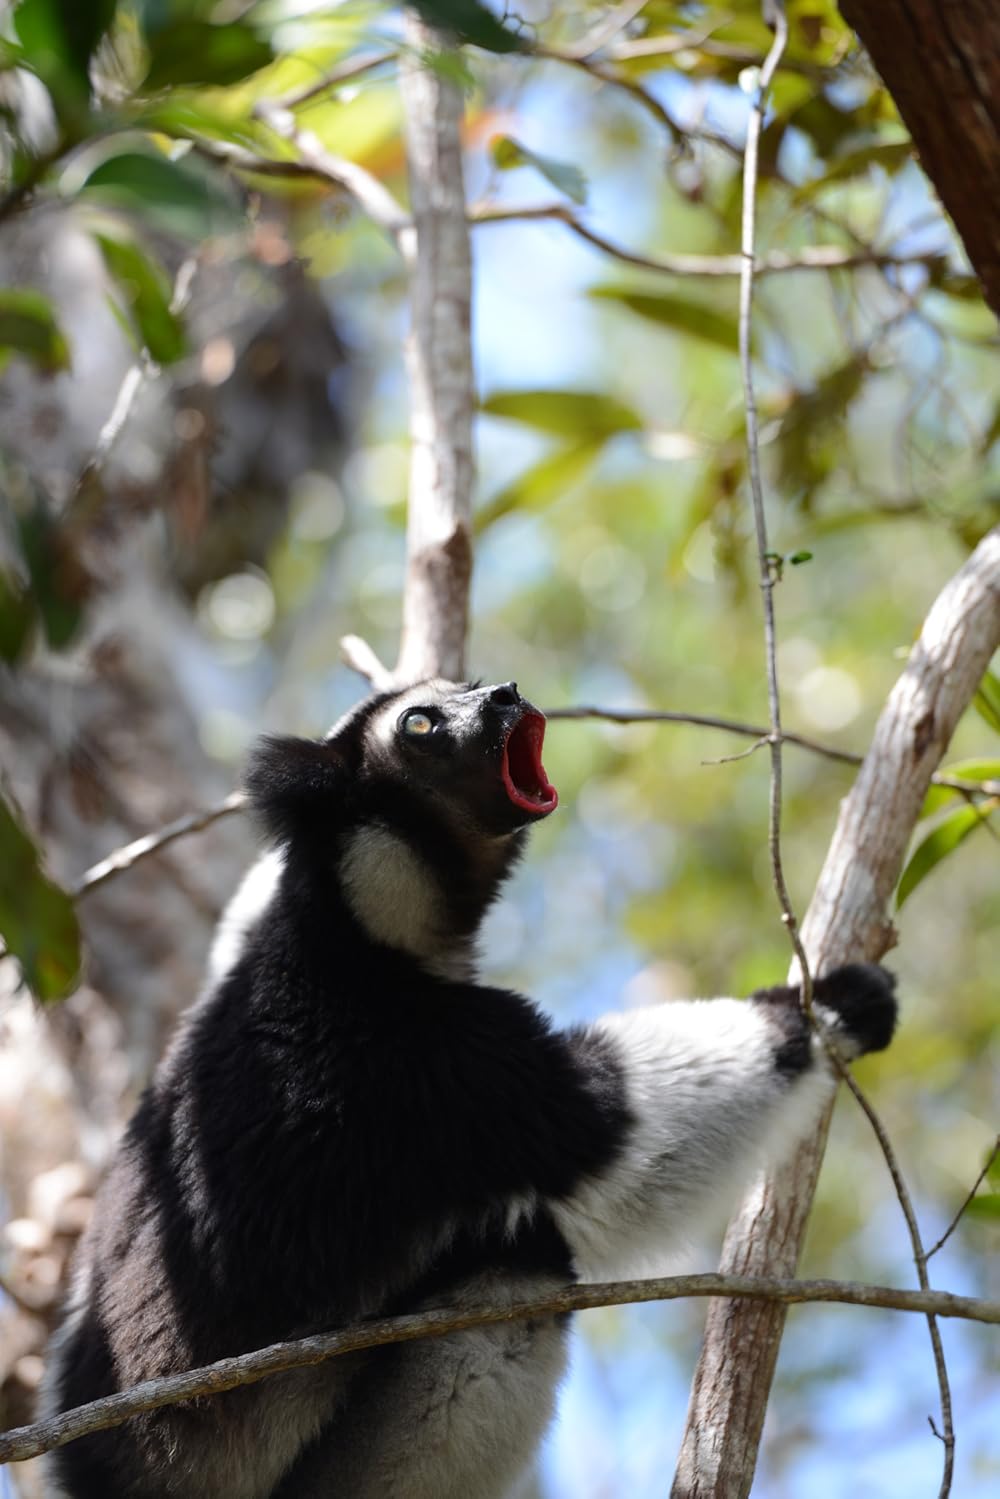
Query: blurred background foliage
x,y
204,464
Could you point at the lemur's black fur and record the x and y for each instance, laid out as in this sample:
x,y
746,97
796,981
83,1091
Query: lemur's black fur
x,y
348,1125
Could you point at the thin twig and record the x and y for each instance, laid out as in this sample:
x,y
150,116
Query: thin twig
x,y
685,41
711,721
768,577
345,72
607,73
776,262
248,1368
965,1203
144,368
741,754
605,30
920,1257
154,843
359,655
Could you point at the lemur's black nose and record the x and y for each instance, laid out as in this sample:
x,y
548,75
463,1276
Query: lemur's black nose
x,y
505,696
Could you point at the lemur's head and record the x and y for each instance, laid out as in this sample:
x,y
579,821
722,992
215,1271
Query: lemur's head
x,y
474,753
417,798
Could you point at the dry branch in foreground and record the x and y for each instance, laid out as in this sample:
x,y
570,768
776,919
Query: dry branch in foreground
x,y
249,1368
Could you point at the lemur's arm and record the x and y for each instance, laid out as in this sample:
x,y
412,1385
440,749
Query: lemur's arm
x,y
712,1088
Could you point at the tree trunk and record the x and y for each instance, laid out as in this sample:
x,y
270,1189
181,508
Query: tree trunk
x,y
940,60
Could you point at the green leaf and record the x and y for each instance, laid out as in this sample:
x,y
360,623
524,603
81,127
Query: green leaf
x,y
987,700
59,582
27,326
146,294
679,313
992,431
196,51
973,770
889,155
175,196
568,413
985,1206
810,439
567,178
17,615
962,770
539,485
59,38
962,287
939,843
37,919
468,21
188,116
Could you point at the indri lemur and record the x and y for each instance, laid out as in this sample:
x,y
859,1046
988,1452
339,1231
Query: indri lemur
x,y
348,1124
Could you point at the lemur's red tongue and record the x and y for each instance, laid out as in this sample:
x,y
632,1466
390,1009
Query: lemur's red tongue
x,y
522,770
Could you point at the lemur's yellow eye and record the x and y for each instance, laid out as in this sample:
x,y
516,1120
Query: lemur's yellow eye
x,y
417,723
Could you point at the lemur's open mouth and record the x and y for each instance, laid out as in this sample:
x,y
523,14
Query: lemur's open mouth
x,y
521,767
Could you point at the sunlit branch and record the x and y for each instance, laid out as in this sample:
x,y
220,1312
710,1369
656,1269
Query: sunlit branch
x,y
249,1368
371,195
775,262
153,843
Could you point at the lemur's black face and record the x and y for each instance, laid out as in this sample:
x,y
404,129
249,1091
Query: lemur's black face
x,y
474,751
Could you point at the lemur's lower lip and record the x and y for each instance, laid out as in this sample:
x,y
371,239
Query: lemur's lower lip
x,y
521,768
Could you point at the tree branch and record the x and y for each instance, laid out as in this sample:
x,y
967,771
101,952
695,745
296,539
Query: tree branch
x,y
776,262
362,659
249,1368
346,72
965,1202
371,195
846,919
154,843
439,362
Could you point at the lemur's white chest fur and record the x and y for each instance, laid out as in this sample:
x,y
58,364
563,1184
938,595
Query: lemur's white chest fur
x,y
396,896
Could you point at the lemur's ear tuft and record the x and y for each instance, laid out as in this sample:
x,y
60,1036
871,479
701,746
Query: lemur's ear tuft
x,y
294,785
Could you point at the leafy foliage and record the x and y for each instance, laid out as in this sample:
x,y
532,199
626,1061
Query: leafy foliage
x,y
28,326
951,831
145,298
682,314
37,920
507,153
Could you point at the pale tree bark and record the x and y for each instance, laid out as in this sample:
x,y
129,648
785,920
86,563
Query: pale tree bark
x,y
847,918
442,385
